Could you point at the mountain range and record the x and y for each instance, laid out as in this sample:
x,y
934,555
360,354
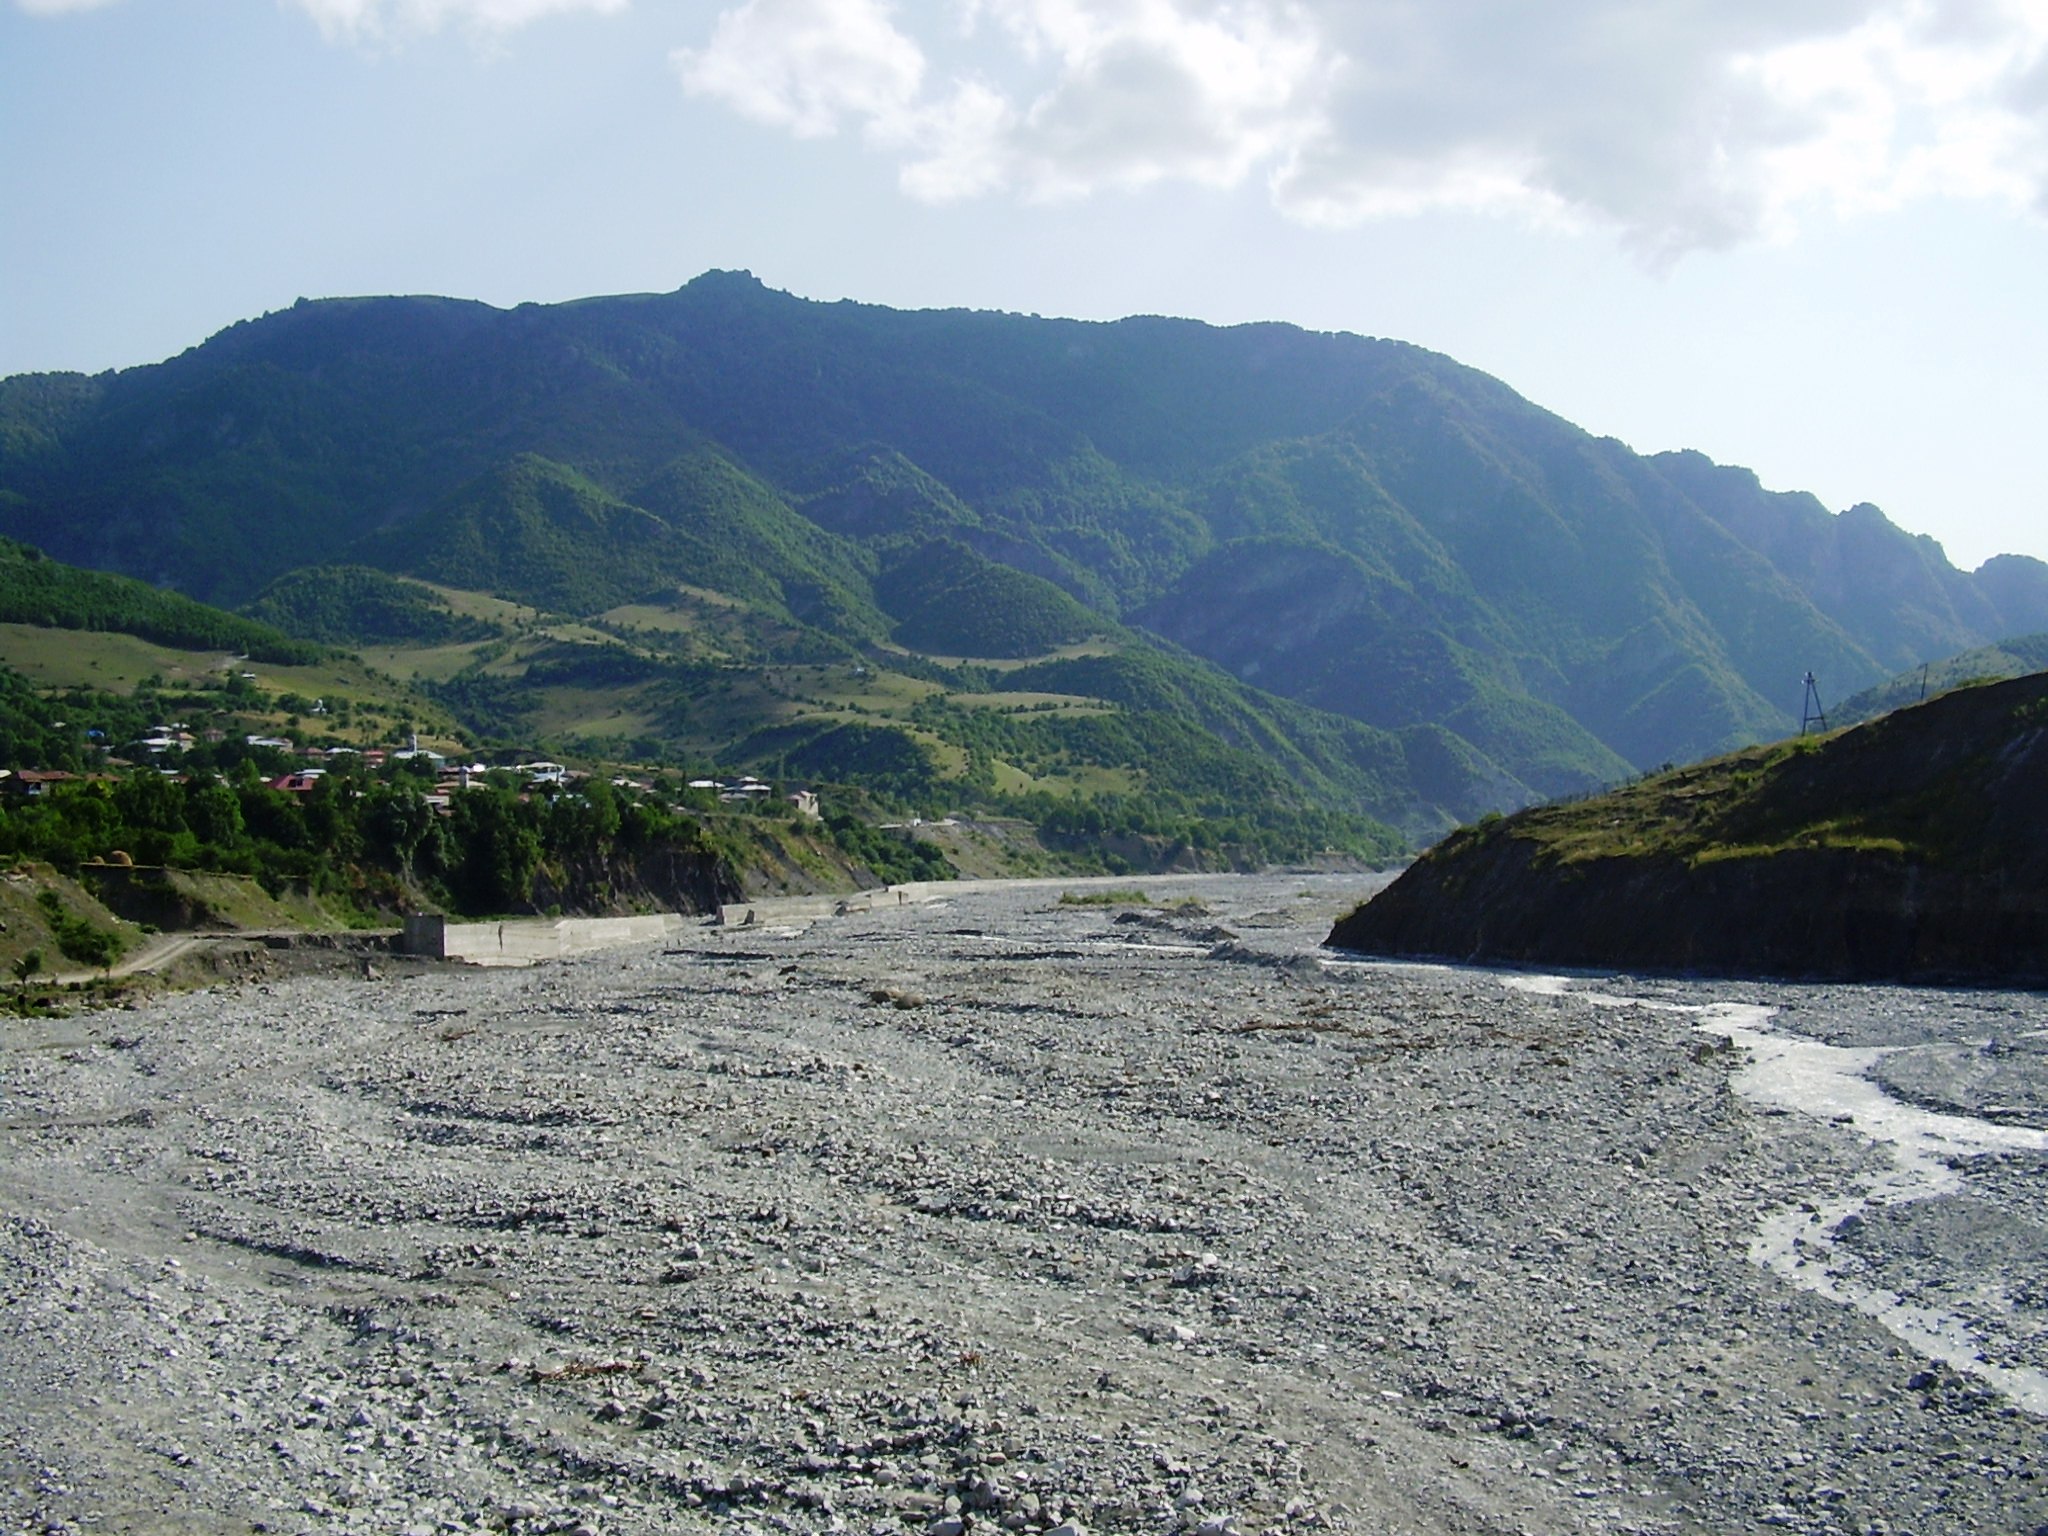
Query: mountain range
x,y
1401,588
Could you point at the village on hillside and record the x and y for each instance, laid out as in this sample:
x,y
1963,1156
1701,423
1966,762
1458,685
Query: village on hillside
x,y
164,744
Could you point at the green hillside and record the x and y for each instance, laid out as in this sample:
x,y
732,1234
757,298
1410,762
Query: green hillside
x,y
949,601
1911,846
36,590
1361,526
696,680
1984,663
352,604
531,530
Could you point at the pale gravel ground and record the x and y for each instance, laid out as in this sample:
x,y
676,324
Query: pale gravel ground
x,y
988,1214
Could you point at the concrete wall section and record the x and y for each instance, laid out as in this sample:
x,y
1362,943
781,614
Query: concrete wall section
x,y
525,941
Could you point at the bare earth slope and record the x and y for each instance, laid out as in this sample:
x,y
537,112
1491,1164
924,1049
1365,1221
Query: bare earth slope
x,y
1911,847
1000,1213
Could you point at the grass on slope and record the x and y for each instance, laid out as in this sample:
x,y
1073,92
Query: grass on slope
x,y
115,663
1916,783
2009,658
1724,808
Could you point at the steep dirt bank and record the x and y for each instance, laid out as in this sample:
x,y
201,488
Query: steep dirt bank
x,y
1914,847
660,879
1826,912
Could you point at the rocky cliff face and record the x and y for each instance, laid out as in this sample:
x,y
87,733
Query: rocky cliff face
x,y
668,879
1913,847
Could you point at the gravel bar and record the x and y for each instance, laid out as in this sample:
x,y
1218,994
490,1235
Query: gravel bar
x,y
999,1213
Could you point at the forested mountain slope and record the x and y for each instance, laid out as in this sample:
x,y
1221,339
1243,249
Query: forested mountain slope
x,y
1360,525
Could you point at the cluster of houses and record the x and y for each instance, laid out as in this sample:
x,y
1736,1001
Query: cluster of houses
x,y
161,739
747,789
449,779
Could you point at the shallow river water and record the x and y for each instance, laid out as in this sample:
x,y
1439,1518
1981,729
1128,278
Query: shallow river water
x,y
1929,1154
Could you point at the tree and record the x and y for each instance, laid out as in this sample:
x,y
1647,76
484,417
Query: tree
x,y
331,820
150,802
213,813
399,828
500,850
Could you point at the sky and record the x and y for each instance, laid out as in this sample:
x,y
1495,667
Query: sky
x,y
1805,236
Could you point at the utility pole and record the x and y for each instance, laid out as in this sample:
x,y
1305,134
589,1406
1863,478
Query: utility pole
x,y
1810,712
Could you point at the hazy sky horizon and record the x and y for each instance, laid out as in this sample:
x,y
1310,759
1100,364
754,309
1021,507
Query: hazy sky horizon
x,y
1804,236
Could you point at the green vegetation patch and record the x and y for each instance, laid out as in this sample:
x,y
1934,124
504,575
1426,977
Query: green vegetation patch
x,y
78,938
37,590
948,600
355,605
1132,898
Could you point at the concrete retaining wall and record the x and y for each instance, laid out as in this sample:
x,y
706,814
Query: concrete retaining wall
x,y
523,941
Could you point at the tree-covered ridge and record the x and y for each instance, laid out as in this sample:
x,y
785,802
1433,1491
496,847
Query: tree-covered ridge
x,y
36,410
949,601
543,533
533,530
2009,658
37,590
353,604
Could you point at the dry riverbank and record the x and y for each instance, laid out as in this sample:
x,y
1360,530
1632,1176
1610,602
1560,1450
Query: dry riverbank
x,y
994,1213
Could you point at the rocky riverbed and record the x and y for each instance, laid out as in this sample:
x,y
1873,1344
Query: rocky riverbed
x,y
1000,1213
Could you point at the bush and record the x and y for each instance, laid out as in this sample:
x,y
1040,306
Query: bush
x,y
76,938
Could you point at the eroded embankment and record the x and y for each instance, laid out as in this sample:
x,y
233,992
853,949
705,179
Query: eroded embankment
x,y
1910,848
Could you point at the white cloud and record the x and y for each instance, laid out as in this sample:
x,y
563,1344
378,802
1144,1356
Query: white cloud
x,y
1915,102
1677,124
1680,124
367,20
963,145
1146,90
363,20
810,66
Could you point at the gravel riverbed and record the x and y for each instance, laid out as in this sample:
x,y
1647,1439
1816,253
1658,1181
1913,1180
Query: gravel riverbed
x,y
1003,1214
